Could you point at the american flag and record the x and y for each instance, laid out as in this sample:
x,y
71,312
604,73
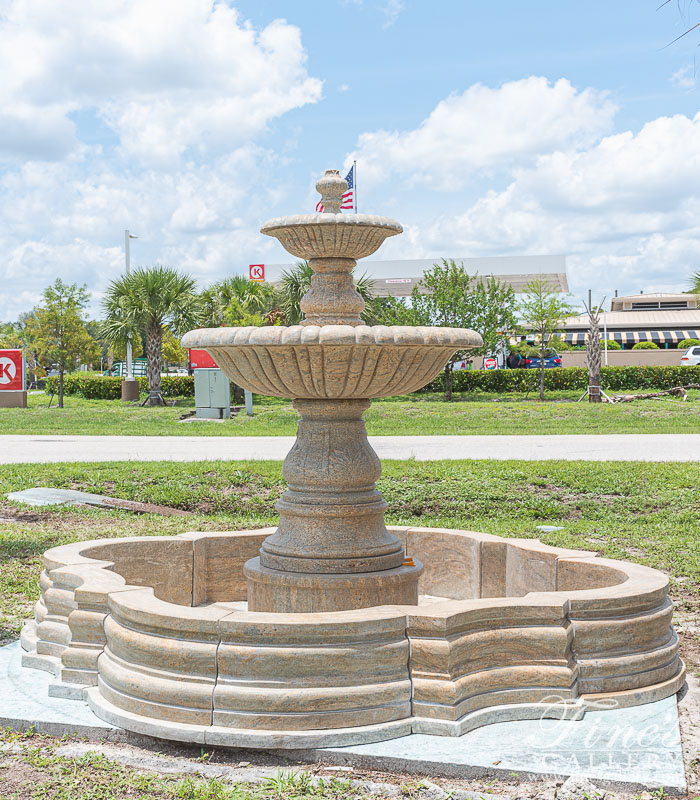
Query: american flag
x,y
348,200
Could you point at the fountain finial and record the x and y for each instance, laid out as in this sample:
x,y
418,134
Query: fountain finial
x,y
331,187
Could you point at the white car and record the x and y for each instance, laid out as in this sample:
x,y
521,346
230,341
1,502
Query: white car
x,y
691,357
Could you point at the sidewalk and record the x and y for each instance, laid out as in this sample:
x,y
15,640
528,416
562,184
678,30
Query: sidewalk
x,y
608,447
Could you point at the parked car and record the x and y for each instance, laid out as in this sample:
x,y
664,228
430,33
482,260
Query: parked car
x,y
691,357
551,359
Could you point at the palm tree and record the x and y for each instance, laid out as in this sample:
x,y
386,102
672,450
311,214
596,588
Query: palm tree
x,y
233,299
296,282
146,301
695,283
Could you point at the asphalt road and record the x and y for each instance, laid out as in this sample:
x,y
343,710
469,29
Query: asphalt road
x,y
606,447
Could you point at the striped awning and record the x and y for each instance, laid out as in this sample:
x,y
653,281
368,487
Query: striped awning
x,y
632,337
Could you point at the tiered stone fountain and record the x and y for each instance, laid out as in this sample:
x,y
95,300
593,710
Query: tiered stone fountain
x,y
331,550
332,629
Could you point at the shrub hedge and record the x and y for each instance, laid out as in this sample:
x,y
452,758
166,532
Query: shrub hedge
x,y
98,387
612,378
102,387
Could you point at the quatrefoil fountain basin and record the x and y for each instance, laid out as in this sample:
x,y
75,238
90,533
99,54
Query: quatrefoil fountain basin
x,y
332,628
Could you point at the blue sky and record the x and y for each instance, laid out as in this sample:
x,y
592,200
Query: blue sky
x,y
486,129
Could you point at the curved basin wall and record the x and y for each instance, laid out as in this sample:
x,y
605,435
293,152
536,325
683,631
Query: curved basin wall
x,y
505,624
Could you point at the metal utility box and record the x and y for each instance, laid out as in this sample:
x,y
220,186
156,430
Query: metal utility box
x,y
212,394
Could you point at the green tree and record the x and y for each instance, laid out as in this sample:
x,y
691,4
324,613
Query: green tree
x,y
612,344
173,351
147,301
296,282
22,335
59,332
239,301
543,312
113,351
452,298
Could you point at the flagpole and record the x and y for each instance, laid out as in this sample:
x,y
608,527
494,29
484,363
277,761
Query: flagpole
x,y
354,180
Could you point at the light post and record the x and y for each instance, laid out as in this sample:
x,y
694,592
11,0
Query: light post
x,y
130,386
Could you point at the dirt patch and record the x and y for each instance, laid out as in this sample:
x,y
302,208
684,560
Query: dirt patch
x,y
565,495
19,780
12,514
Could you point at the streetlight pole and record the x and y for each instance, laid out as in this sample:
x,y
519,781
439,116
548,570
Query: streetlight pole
x,y
127,257
130,386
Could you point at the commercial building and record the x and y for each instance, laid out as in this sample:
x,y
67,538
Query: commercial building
x,y
663,318
397,278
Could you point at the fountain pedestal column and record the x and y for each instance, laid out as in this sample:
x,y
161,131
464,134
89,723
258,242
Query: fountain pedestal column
x,y
332,550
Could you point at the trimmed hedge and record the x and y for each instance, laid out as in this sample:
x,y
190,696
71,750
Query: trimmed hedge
x,y
98,387
612,378
102,387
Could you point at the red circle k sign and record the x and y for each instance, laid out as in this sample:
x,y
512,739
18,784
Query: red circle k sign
x,y
256,272
11,375
490,363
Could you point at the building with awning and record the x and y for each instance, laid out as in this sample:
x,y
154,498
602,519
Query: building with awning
x,y
663,318
398,278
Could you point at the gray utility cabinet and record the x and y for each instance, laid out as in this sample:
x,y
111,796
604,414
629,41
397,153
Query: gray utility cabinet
x,y
212,394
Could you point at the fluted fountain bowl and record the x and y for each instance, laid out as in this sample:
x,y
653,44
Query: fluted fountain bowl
x,y
331,235
332,361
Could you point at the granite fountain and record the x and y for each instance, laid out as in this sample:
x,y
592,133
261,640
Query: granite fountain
x,y
332,628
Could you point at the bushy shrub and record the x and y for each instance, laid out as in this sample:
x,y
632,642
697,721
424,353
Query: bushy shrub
x,y
101,387
559,379
612,344
645,346
684,344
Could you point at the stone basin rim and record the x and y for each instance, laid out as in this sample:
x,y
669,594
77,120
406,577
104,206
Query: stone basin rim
x,y
381,335
353,220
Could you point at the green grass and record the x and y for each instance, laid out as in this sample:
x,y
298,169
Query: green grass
x,y
647,513
418,414
38,771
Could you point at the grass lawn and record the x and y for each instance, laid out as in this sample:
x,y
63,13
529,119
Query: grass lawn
x,y
649,514
417,414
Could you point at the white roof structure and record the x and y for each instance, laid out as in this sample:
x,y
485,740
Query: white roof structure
x,y
660,317
397,278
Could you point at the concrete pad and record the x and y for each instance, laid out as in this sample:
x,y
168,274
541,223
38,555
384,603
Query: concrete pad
x,y
41,496
621,748
25,702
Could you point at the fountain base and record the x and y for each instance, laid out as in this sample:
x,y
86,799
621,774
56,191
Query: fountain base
x,y
303,592
156,630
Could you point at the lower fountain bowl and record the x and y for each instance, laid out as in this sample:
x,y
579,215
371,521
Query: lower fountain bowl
x,y
332,361
156,633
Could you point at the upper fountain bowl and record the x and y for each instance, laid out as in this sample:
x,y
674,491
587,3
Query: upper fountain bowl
x,y
331,235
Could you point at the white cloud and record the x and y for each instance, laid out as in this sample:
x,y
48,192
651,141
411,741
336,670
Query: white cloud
x,y
684,78
483,130
627,210
170,77
391,10
180,93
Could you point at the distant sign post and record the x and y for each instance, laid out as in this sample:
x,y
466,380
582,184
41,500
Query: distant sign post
x,y
13,386
256,272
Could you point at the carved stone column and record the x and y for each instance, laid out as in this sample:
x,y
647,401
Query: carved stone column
x,y
332,516
332,550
